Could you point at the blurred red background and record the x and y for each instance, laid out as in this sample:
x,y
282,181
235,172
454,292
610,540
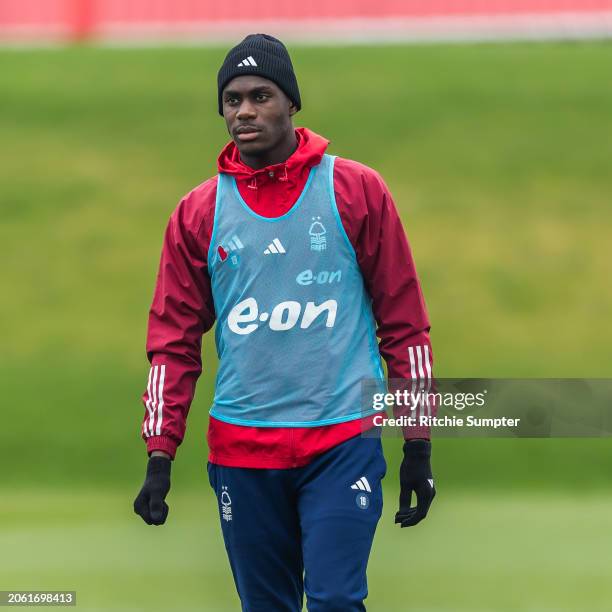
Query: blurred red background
x,y
84,19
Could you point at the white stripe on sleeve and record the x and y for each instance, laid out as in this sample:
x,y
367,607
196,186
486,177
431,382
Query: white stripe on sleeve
x,y
154,404
421,379
427,361
420,360
148,404
161,400
412,368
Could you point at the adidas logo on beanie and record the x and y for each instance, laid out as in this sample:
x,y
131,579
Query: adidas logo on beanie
x,y
264,56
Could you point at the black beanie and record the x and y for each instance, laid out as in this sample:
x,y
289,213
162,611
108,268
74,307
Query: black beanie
x,y
264,56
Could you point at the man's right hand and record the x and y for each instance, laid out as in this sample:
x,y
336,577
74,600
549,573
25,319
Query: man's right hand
x,y
150,503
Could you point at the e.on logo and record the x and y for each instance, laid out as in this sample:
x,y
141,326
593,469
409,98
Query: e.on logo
x,y
284,316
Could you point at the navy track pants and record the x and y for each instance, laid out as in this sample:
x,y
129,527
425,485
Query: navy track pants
x,y
306,529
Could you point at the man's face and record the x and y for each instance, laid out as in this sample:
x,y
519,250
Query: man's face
x,y
257,114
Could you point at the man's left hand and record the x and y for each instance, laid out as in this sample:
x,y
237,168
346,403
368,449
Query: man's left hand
x,y
415,475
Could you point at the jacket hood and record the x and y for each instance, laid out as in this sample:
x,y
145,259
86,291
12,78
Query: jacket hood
x,y
309,153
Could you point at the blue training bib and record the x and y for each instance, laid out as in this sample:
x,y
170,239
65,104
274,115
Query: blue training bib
x,y
295,332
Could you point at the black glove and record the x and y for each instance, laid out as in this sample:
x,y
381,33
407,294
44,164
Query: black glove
x,y
415,475
150,504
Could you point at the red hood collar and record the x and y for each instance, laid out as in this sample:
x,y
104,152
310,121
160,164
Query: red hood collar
x,y
309,153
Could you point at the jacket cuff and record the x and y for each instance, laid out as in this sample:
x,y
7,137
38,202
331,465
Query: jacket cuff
x,y
416,431
162,443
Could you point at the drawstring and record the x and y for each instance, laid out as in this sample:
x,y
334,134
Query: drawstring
x,y
253,183
285,177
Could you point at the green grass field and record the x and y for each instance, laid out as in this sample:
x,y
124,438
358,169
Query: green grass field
x,y
475,553
499,160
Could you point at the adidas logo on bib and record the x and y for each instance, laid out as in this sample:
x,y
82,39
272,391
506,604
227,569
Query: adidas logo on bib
x,y
275,248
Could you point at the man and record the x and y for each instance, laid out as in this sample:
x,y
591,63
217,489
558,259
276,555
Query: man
x,y
298,256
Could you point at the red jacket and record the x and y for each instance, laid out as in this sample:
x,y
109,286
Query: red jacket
x,y
183,309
